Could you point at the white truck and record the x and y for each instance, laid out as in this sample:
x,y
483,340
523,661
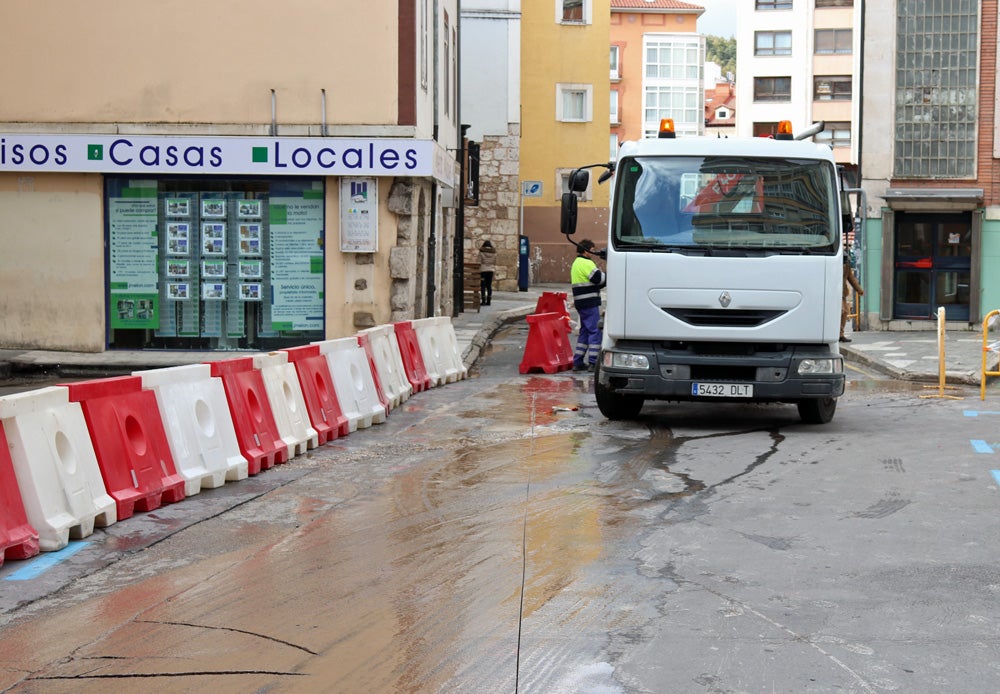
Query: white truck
x,y
724,274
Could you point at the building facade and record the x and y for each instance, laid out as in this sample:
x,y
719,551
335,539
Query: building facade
x,y
720,106
230,178
929,163
799,61
491,107
564,124
657,69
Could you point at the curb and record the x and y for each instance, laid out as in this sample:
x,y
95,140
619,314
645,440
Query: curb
x,y
490,328
963,377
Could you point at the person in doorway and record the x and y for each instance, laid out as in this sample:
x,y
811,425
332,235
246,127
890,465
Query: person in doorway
x,y
850,282
587,280
487,266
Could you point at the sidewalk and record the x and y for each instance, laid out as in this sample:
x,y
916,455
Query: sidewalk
x,y
913,355
473,329
902,355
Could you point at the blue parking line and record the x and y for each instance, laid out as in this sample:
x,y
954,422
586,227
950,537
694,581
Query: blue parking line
x,y
996,475
981,446
42,563
976,413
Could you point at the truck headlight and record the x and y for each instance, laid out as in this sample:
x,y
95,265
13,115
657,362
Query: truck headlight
x,y
809,367
624,360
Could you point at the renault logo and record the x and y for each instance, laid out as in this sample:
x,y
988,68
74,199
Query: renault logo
x,y
725,299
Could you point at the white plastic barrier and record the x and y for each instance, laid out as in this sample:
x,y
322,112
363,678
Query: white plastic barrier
x,y
287,402
353,381
198,425
452,353
56,467
429,339
436,337
389,363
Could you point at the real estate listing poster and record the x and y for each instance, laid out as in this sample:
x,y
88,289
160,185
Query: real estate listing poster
x,y
132,252
296,254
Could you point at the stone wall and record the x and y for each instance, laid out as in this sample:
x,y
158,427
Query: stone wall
x,y
496,216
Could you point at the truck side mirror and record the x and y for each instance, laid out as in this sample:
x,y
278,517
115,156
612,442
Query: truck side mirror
x,y
579,179
567,217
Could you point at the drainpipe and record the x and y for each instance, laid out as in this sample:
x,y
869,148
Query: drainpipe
x,y
274,114
322,128
458,263
863,200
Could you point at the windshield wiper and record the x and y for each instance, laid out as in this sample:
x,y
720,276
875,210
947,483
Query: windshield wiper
x,y
629,246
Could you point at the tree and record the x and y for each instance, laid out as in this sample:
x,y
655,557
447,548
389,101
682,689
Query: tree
x,y
721,51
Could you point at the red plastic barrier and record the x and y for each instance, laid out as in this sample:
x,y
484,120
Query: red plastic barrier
x,y
131,444
552,302
256,430
316,381
413,360
548,348
18,540
366,344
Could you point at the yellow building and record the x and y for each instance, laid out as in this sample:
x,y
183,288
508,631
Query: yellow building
x,y
225,175
564,124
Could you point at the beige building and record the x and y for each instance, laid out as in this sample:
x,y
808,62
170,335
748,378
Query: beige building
x,y
226,175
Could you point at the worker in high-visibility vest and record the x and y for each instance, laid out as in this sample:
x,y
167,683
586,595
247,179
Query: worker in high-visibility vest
x,y
587,280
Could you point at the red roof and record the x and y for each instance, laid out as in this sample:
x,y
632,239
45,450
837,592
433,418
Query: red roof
x,y
653,5
724,94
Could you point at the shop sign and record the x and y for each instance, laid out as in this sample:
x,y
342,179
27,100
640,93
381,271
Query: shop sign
x,y
270,156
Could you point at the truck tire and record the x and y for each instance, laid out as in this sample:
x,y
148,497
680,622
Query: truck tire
x,y
612,405
819,411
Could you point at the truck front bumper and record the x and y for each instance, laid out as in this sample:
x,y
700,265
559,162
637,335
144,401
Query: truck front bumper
x,y
677,371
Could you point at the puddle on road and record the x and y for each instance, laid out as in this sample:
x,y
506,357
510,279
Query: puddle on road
x,y
402,568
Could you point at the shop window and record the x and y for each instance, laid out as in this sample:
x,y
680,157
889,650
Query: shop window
x,y
214,264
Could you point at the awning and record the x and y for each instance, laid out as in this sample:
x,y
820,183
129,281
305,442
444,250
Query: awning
x,y
934,199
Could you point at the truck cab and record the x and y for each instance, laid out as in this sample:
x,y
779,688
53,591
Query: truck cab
x,y
724,275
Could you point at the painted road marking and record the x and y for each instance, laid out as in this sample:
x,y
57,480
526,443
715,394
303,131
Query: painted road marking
x,y
996,475
981,446
976,413
42,563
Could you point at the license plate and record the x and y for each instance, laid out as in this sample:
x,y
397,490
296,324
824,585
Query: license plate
x,y
722,390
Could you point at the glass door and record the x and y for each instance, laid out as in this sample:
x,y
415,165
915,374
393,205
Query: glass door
x,y
933,260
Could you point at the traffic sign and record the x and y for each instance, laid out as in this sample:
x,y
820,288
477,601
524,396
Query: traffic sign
x,y
531,189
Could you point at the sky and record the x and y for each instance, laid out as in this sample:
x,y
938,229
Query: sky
x,y
719,18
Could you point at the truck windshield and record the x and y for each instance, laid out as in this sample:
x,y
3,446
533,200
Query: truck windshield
x,y
726,203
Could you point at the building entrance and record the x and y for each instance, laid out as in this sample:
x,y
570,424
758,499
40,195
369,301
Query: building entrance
x,y
932,266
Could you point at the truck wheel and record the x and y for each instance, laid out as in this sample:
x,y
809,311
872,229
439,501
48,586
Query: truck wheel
x,y
818,411
612,405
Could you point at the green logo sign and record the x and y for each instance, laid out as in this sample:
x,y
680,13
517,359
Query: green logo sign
x,y
95,152
259,155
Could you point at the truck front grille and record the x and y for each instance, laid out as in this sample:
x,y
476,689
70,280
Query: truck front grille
x,y
721,318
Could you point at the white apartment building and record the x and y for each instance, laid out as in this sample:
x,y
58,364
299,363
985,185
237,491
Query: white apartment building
x,y
799,60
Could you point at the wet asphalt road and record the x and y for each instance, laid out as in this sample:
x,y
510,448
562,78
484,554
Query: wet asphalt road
x,y
498,535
